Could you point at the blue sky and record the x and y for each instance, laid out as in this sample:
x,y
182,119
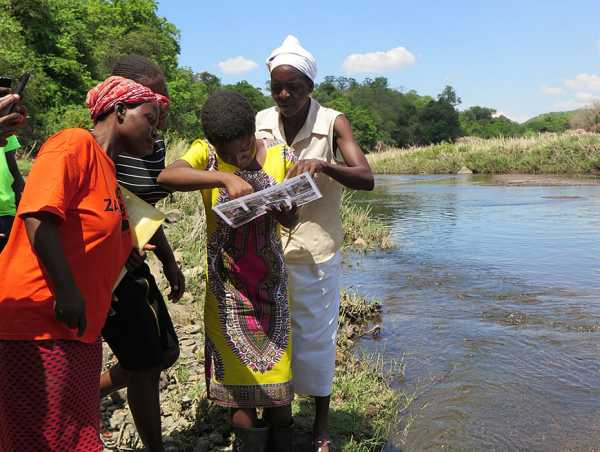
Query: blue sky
x,y
520,57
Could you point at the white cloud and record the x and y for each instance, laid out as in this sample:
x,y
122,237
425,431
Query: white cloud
x,y
237,65
568,105
582,90
551,90
585,97
374,62
584,82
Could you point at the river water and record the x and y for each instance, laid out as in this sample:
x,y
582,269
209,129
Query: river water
x,y
492,300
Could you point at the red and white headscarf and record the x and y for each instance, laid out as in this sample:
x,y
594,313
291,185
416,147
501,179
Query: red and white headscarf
x,y
115,89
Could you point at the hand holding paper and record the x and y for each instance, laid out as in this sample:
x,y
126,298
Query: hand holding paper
x,y
298,190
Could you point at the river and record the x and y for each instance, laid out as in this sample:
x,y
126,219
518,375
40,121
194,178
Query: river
x,y
492,301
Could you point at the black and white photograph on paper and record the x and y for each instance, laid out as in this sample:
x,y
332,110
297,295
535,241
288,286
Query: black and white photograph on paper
x,y
298,190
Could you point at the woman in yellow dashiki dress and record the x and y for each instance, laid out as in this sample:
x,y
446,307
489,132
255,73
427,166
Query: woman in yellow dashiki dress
x,y
246,317
248,344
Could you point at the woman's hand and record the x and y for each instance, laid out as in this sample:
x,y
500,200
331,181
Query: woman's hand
x,y
137,257
9,122
286,216
181,176
69,304
176,280
69,308
170,268
236,186
312,166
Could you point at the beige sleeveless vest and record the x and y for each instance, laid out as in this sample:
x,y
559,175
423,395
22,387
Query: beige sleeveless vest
x,y
319,234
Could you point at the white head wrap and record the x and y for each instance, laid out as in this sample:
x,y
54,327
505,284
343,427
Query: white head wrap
x,y
291,53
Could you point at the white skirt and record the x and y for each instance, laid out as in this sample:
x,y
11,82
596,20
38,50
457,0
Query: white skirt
x,y
314,294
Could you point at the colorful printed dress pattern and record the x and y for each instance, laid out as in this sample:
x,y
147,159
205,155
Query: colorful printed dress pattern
x,y
248,342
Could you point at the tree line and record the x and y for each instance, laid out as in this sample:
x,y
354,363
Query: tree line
x,y
69,45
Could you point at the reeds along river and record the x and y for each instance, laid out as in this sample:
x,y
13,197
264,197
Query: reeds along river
x,y
492,296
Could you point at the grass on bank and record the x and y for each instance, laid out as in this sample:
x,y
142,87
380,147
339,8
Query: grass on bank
x,y
571,152
362,230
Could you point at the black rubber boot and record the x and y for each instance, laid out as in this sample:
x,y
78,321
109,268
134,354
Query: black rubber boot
x,y
250,439
281,439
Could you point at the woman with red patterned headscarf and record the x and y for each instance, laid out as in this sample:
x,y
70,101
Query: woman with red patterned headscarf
x,y
69,242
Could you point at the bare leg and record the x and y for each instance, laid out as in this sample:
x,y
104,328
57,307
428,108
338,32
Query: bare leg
x,y
112,380
279,416
143,398
144,403
249,436
244,417
321,425
281,433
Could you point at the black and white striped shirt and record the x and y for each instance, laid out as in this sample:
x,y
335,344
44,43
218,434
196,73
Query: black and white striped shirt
x,y
138,175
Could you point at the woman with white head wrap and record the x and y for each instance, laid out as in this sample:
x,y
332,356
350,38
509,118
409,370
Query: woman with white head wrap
x,y
291,53
322,140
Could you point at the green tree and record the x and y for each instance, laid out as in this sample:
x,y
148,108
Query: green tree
x,y
188,95
254,95
68,45
211,81
483,122
449,96
393,112
363,125
438,122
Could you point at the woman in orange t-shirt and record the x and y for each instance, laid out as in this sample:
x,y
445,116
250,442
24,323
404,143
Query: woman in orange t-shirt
x,y
69,242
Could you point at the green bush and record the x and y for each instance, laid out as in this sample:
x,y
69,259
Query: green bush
x,y
66,117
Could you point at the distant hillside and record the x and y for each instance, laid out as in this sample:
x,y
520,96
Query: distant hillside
x,y
550,122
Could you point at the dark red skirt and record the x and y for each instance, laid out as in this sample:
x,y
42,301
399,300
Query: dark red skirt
x,y
49,396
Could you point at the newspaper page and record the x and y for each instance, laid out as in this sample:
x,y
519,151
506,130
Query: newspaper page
x,y
300,190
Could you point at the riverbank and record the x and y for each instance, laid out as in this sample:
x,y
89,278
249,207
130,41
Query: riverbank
x,y
541,180
363,405
566,153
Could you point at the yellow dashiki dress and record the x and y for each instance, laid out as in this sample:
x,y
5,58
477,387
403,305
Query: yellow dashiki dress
x,y
247,325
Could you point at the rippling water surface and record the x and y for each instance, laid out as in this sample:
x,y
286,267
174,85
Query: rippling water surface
x,y
492,298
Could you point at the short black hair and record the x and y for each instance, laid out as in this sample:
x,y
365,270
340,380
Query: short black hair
x,y
227,116
137,68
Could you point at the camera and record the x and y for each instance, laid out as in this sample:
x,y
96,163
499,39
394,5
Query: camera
x,y
5,82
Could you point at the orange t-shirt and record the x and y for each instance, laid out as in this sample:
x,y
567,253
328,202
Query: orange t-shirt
x,y
74,179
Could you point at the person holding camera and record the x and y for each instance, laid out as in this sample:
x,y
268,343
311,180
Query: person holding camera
x,y
12,114
11,181
11,187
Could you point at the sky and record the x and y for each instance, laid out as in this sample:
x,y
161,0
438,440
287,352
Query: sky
x,y
521,57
